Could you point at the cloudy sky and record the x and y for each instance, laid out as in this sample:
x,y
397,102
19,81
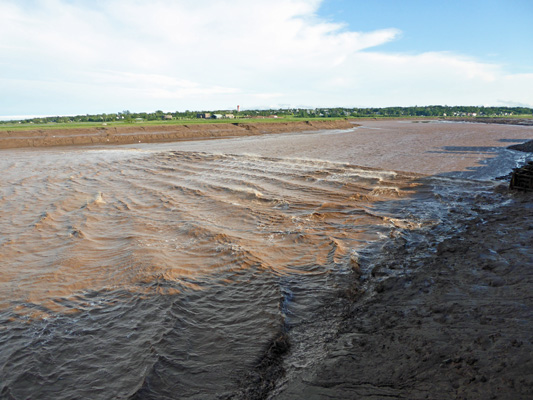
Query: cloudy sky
x,y
64,57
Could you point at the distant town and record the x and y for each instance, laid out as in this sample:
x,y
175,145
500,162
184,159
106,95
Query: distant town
x,y
286,113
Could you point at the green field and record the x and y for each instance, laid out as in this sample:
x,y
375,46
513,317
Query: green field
x,y
74,125
16,126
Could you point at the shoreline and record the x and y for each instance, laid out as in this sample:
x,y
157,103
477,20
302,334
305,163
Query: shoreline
x,y
449,322
157,133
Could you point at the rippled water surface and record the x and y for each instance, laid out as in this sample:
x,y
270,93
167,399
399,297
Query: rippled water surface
x,y
164,273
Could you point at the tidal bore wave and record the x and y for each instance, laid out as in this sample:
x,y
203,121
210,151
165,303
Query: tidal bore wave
x,y
131,274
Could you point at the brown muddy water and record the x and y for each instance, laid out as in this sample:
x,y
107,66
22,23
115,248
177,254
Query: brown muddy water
x,y
166,271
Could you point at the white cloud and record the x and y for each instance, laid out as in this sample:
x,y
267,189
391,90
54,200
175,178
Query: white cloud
x,y
156,85
186,54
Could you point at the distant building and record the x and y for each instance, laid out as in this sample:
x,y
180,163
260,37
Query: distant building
x,y
229,116
168,116
203,115
217,116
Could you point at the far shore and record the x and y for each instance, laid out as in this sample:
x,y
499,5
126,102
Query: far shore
x,y
129,134
112,134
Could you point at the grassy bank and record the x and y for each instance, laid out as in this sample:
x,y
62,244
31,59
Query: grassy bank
x,y
15,126
177,122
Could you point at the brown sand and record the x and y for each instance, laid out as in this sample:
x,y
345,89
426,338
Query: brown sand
x,y
456,324
153,134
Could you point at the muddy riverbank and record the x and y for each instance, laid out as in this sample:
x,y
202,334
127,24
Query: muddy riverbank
x,y
154,134
452,322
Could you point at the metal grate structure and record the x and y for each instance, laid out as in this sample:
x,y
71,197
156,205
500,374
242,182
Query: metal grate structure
x,y
522,178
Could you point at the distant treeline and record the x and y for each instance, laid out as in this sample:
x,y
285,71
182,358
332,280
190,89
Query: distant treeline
x,y
423,111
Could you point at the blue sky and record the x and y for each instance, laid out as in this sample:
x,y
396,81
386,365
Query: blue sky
x,y
62,57
491,30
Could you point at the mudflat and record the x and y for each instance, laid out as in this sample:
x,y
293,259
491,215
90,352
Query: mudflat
x,y
471,150
456,323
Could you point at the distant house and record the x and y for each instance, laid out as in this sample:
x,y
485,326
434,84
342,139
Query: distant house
x,y
217,116
167,116
203,115
229,116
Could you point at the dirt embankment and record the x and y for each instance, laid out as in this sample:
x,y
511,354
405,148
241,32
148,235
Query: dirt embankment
x,y
153,134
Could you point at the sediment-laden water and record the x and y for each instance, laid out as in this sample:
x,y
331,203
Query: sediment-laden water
x,y
133,273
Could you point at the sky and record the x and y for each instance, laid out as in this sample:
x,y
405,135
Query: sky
x,y
71,57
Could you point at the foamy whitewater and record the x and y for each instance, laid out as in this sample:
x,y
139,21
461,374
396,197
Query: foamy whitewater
x,y
166,271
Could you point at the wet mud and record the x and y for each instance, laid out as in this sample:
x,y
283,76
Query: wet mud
x,y
453,321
